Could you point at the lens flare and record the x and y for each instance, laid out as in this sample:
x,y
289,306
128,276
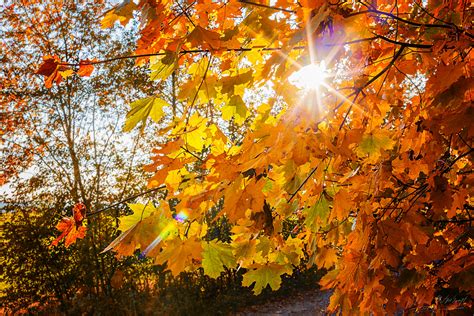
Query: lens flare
x,y
180,217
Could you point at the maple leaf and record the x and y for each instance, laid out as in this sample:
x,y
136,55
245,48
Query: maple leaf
x,y
341,206
180,254
216,255
164,67
265,274
52,69
317,215
145,226
140,212
205,38
372,144
85,68
49,65
142,109
71,227
235,109
326,257
122,13
239,199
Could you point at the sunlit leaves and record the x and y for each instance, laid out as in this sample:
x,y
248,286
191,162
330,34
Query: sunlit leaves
x,y
140,110
317,215
204,38
162,68
85,68
140,229
140,212
326,257
52,69
373,143
180,255
215,257
368,178
236,109
264,275
122,13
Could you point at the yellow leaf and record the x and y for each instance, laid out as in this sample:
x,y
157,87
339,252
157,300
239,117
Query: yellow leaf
x,y
66,73
317,215
122,13
244,248
174,177
146,226
180,254
235,109
164,67
219,140
196,135
215,257
142,109
264,275
140,211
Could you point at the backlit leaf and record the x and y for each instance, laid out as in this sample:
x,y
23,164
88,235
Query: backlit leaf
x,y
216,255
264,275
373,143
142,109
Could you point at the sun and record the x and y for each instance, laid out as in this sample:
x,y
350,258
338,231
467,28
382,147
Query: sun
x,y
311,81
310,77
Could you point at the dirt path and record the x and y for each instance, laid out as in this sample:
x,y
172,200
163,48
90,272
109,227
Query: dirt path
x,y
312,302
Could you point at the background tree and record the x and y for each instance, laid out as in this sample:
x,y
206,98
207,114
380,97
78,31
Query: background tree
x,y
62,146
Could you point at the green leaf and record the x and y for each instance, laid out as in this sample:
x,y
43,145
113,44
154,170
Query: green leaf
x,y
264,275
318,214
141,109
235,108
215,256
372,143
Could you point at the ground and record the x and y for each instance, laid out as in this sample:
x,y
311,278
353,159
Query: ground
x,y
310,302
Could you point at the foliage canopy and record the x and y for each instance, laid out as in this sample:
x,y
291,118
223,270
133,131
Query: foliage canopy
x,y
372,167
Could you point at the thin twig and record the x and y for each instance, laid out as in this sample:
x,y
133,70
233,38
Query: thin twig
x,y
305,180
161,187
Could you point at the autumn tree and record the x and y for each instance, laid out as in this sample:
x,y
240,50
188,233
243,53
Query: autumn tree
x,y
362,137
62,146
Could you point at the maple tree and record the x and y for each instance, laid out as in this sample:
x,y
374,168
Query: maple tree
x,y
372,168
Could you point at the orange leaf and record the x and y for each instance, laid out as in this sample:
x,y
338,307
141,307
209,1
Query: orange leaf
x,y
49,65
51,68
71,227
341,206
85,68
202,37
326,257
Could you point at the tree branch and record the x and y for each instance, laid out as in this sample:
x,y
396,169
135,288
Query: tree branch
x,y
305,180
412,23
161,187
